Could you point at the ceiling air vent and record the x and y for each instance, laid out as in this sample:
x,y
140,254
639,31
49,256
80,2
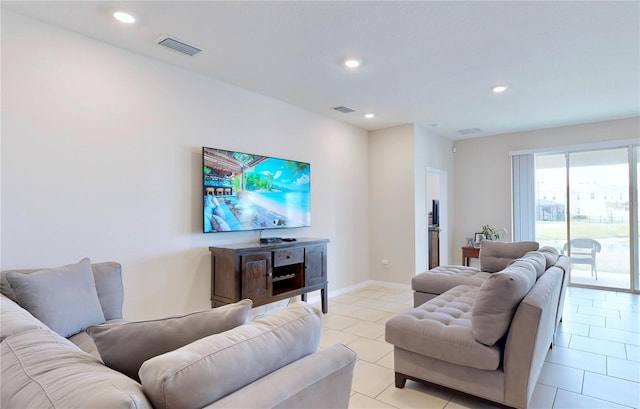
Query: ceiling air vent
x,y
344,109
178,45
469,131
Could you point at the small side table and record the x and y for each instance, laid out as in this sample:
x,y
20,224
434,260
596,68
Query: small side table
x,y
469,252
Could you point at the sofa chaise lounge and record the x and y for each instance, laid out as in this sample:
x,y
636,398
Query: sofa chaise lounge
x,y
487,334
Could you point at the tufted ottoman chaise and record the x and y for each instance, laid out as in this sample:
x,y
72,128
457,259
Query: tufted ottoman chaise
x,y
441,279
494,256
488,340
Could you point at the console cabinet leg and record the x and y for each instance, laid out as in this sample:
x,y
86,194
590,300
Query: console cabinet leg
x,y
323,299
325,302
401,380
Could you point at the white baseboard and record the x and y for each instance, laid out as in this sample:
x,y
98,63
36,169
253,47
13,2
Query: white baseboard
x,y
314,296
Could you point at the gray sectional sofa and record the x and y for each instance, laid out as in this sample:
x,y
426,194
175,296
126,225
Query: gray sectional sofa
x,y
210,358
483,333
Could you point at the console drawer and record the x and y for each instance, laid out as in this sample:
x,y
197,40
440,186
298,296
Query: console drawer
x,y
287,257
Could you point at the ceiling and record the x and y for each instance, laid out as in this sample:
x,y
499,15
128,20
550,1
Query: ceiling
x,y
429,63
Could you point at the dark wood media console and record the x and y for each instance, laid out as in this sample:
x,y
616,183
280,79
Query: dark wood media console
x,y
268,272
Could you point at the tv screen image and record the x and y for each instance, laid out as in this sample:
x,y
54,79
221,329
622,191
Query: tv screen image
x,y
244,191
435,213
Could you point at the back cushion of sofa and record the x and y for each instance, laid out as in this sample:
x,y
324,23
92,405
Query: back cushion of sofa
x,y
496,255
40,369
208,369
551,254
563,262
108,278
497,301
536,259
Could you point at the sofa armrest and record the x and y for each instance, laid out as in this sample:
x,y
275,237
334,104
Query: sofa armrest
x,y
320,380
15,319
530,337
41,369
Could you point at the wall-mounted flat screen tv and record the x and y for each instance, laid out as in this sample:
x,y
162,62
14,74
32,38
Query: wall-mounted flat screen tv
x,y
243,191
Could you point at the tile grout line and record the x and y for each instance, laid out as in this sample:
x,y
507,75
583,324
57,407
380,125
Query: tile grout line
x,y
555,396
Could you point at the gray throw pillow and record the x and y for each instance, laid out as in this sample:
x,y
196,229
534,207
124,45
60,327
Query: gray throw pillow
x,y
63,298
497,301
125,346
107,276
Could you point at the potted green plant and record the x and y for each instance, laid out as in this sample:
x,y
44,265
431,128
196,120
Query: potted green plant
x,y
493,234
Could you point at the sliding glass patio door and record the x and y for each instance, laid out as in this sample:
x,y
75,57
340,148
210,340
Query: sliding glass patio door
x,y
583,209
599,241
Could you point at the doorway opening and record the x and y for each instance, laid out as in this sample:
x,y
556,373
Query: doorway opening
x,y
438,234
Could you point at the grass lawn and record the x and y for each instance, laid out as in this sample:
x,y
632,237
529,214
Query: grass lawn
x,y
614,238
546,231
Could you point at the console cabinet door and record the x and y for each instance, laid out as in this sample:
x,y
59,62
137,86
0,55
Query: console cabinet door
x,y
315,263
256,276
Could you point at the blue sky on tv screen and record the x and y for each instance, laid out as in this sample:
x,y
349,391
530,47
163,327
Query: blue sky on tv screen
x,y
285,175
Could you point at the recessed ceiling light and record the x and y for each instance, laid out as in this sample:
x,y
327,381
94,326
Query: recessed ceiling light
x,y
352,63
499,88
369,116
123,17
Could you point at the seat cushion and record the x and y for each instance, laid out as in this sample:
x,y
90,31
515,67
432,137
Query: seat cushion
x,y
40,369
63,298
441,329
441,279
496,255
125,346
204,371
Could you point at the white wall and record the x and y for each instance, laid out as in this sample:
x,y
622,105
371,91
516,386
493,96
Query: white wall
x,y
101,158
398,162
483,170
391,204
420,208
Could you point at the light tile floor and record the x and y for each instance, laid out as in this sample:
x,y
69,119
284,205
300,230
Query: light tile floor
x,y
595,363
